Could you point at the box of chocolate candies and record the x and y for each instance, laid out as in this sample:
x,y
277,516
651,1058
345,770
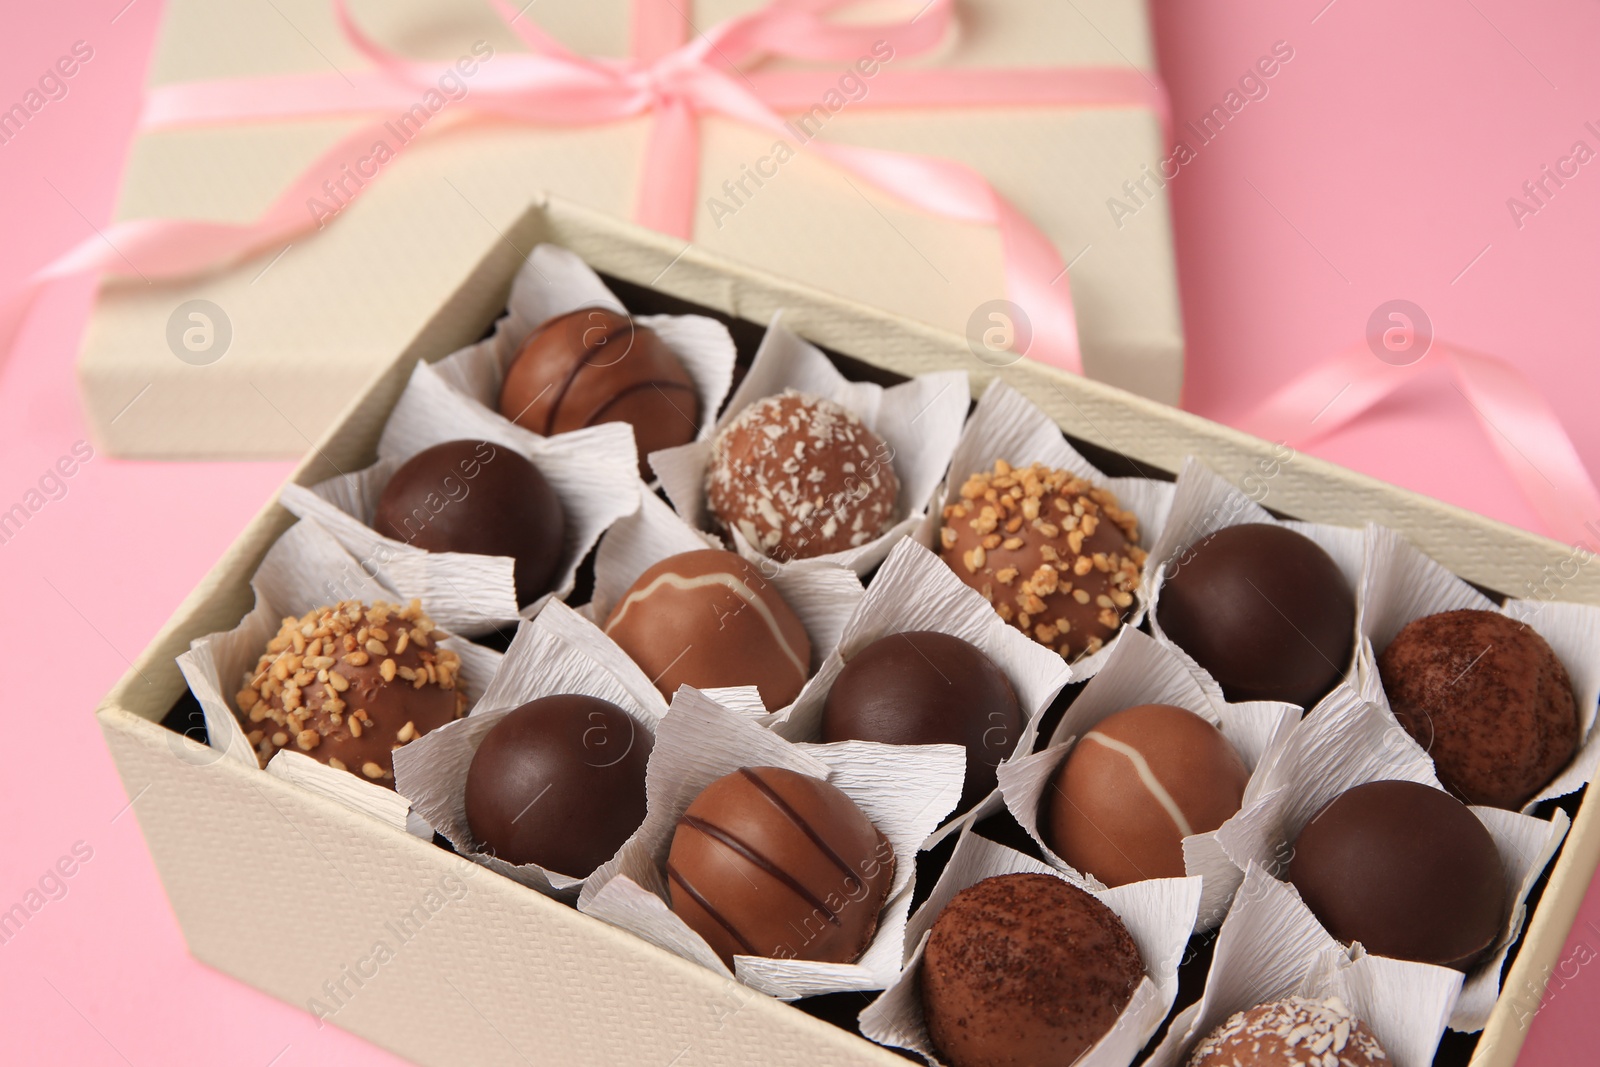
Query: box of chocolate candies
x,y
638,682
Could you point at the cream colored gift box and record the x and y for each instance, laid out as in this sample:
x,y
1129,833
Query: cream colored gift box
x,y
478,969
339,303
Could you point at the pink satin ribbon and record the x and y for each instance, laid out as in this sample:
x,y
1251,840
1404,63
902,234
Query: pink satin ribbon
x,y
674,76
1518,421
677,77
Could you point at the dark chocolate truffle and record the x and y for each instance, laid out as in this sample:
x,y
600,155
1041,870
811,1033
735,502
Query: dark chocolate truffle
x,y
770,862
1406,870
1056,556
1488,699
593,366
349,684
1025,969
1264,610
708,619
559,782
927,688
801,476
482,498
1135,786
1294,1032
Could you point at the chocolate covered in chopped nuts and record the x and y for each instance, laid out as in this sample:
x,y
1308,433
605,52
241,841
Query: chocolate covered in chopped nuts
x,y
1056,556
322,685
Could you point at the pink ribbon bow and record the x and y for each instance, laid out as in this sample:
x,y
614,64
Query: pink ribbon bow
x,y
673,79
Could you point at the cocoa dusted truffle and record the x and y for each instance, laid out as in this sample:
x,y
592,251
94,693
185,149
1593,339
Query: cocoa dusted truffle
x,y
770,862
1295,1032
1025,968
594,365
801,476
927,688
559,782
349,684
1406,870
1264,610
1056,556
482,498
1135,786
1488,699
709,619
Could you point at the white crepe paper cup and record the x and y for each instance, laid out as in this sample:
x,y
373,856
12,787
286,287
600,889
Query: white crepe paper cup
x,y
1272,947
1349,740
1005,425
822,595
555,282
292,580
914,590
1203,503
904,790
1402,584
1141,670
1158,914
592,471
542,661
918,421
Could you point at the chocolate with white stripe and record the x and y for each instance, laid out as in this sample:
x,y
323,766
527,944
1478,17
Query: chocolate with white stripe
x,y
1134,787
770,862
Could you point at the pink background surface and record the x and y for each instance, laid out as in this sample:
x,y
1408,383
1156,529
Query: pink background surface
x,y
1378,167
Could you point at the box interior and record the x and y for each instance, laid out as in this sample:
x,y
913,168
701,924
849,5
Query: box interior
x,y
1097,420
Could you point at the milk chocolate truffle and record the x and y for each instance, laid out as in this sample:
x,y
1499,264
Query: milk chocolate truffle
x,y
709,619
1025,969
1135,786
1295,1032
801,476
770,862
1406,870
927,688
594,366
482,498
559,782
348,684
1264,610
1488,699
1056,556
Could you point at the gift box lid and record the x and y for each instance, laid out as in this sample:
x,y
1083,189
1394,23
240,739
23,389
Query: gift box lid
x,y
287,338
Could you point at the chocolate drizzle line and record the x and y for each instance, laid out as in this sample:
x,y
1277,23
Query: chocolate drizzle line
x,y
649,383
705,905
572,375
751,856
794,816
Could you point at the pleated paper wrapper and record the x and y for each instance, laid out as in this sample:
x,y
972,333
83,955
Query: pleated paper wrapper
x,y
553,282
1141,670
1345,742
592,471
1007,426
822,595
914,590
1403,584
541,662
1272,947
1203,503
919,421
1158,914
904,790
295,577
